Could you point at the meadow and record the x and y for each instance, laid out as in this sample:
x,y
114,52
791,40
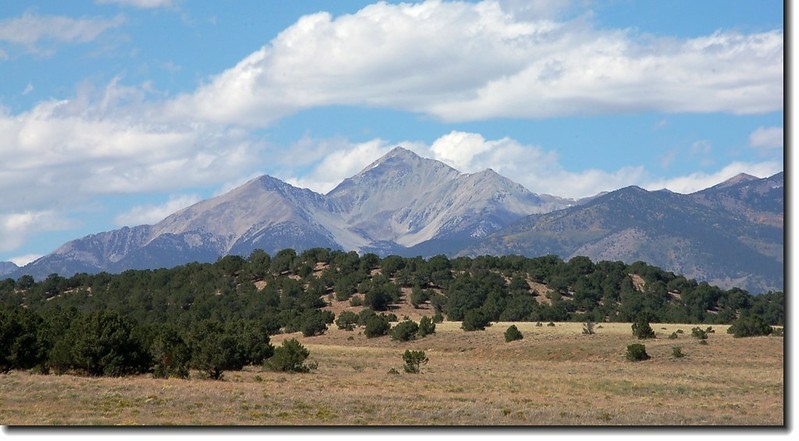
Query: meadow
x,y
555,375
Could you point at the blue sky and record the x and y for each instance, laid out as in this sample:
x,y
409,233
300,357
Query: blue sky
x,y
120,112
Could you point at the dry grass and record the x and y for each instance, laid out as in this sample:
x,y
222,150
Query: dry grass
x,y
554,376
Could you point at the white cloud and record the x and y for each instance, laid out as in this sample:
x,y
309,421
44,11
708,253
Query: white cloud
x,y
151,214
539,170
339,164
535,168
471,61
28,89
16,227
766,138
30,29
144,4
24,259
61,152
699,180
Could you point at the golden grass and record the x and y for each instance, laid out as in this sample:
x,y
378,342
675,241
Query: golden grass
x,y
554,376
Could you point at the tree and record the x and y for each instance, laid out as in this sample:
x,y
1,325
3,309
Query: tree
x,y
512,334
376,326
290,356
405,331
170,354
750,327
475,320
314,322
214,349
101,343
426,326
23,345
414,360
347,320
637,352
641,328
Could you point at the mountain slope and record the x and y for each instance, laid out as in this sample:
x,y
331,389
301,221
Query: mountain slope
x,y
401,203
7,268
407,200
687,234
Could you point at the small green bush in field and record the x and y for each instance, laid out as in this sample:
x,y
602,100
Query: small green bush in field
x,y
750,327
699,333
513,333
289,357
637,352
414,360
676,352
642,330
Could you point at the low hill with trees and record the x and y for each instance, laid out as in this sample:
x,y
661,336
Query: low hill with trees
x,y
217,317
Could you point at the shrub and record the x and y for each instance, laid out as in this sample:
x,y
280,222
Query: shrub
x,y
376,326
778,332
676,352
215,348
405,331
170,354
513,333
438,317
642,330
413,361
588,328
699,333
673,336
347,320
551,324
637,352
426,326
101,343
314,322
475,320
750,327
289,357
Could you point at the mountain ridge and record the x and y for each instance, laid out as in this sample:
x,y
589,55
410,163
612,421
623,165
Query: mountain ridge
x,y
400,203
729,234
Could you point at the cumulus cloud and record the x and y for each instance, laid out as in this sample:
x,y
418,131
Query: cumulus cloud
x,y
16,227
699,181
537,169
766,138
340,163
63,150
469,61
151,214
24,259
30,29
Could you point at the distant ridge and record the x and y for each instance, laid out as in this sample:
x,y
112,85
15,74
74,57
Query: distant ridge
x,y
401,204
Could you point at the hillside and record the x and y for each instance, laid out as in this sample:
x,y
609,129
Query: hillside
x,y
729,235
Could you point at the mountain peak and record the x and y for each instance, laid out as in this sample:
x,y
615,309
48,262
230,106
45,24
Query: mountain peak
x,y
737,179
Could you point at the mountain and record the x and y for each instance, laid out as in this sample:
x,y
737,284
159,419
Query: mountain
x,y
728,235
401,203
406,204
7,268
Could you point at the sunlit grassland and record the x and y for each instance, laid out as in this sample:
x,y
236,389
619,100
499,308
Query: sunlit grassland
x,y
554,376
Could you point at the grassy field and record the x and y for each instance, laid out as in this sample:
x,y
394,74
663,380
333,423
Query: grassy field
x,y
554,376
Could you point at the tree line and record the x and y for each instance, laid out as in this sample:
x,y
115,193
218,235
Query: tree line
x,y
166,321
